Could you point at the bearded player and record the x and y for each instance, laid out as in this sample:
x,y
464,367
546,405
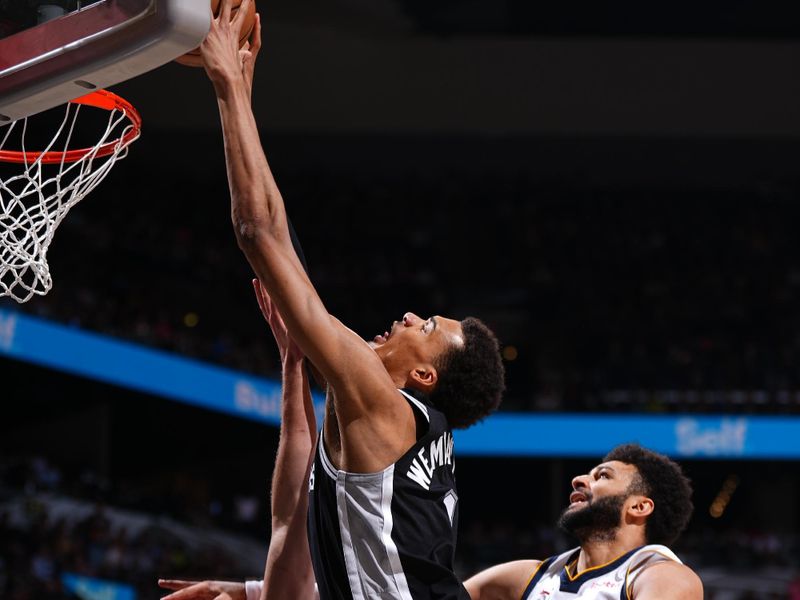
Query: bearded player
x,y
623,513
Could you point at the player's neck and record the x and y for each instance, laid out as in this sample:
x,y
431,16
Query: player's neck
x,y
596,553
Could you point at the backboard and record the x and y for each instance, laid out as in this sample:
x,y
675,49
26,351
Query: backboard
x,y
62,49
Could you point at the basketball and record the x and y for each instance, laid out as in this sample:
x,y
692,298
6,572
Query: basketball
x,y
193,59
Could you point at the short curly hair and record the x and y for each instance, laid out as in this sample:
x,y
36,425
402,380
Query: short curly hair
x,y
471,378
662,480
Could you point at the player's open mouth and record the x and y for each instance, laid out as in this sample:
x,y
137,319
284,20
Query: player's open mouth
x,y
577,498
381,339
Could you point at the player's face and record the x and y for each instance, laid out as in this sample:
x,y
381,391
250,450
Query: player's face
x,y
598,501
414,341
606,479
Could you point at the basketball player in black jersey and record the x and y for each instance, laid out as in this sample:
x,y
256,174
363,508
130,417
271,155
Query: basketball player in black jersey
x,y
383,505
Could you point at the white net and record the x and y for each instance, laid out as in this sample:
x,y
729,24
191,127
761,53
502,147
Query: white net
x,y
36,197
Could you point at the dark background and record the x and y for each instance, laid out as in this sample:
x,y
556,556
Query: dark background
x,y
613,188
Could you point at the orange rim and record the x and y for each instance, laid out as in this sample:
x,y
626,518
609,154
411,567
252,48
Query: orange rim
x,y
99,99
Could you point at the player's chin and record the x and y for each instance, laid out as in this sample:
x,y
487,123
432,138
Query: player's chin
x,y
576,506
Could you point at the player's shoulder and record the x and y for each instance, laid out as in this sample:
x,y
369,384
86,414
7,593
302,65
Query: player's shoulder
x,y
419,402
667,579
658,551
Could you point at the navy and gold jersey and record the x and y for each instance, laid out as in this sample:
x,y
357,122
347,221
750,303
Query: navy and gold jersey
x,y
552,579
391,534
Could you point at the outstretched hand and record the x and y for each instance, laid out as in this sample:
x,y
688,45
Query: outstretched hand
x,y
289,350
203,590
223,59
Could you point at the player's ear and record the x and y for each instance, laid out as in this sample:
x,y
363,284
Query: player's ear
x,y
423,378
641,506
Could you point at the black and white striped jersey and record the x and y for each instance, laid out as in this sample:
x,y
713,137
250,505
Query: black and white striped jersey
x,y
391,534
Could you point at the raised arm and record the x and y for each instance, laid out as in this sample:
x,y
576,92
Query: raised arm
x,y
257,209
365,394
288,572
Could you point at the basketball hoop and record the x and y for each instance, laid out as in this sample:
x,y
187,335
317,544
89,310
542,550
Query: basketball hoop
x,y
34,202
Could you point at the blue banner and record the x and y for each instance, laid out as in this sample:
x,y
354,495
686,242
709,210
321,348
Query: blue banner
x,y
592,435
144,369
89,588
506,434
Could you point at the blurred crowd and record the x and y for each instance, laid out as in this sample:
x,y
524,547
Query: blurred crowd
x,y
34,556
604,299
40,545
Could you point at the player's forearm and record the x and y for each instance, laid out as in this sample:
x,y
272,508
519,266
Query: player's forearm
x,y
260,224
256,204
261,227
288,572
501,582
294,419
289,579
294,450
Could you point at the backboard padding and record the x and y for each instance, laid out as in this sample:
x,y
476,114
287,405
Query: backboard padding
x,y
98,46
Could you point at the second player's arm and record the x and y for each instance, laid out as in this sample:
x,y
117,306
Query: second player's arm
x,y
288,572
502,582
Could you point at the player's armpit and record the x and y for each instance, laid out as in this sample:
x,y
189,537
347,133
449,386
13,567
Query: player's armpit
x,y
502,582
667,581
